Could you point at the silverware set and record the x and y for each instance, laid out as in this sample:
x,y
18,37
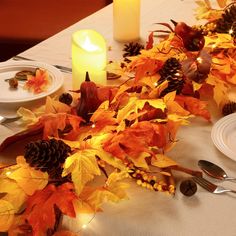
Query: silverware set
x,y
213,171
60,67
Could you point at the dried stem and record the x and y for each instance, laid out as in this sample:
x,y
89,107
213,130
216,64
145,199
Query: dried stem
x,y
186,170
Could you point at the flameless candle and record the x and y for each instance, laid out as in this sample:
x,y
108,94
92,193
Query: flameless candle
x,y
126,20
88,54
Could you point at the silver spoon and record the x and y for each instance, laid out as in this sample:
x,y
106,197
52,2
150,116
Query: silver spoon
x,y
214,170
5,120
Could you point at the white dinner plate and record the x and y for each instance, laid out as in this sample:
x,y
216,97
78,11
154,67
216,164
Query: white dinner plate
x,y
9,69
224,135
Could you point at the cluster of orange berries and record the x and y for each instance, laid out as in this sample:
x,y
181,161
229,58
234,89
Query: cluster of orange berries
x,y
149,181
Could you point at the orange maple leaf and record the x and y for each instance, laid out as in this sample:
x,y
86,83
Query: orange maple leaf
x,y
145,66
137,140
39,82
194,106
40,207
74,122
53,123
103,117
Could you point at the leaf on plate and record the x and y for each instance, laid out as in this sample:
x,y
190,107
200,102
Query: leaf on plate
x,y
40,207
39,82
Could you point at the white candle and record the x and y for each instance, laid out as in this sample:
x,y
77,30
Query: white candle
x,y
89,53
126,20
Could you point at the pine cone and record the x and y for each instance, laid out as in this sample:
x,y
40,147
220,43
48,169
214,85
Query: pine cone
x,y
132,49
229,108
227,22
47,156
172,72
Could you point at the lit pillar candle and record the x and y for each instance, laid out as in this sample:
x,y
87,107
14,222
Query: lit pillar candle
x,y
126,20
89,53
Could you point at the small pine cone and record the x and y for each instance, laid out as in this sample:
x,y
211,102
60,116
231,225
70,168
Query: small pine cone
x,y
132,49
66,98
226,22
172,72
47,156
229,108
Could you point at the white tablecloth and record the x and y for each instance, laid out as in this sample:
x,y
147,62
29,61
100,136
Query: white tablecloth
x,y
150,213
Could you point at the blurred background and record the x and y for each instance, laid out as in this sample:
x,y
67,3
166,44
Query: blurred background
x,y
24,23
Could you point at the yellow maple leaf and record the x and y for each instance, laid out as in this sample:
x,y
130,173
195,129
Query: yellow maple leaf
x,y
82,166
6,215
220,89
175,111
27,116
205,11
27,177
96,142
13,193
162,161
135,105
53,106
113,191
219,40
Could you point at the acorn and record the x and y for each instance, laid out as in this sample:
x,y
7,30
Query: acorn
x,y
188,187
193,39
89,101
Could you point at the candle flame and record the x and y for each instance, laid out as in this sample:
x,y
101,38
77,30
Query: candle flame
x,y
88,46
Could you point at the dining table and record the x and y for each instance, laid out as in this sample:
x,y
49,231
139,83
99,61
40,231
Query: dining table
x,y
145,213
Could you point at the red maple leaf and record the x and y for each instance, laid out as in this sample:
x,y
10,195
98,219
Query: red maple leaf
x,y
40,207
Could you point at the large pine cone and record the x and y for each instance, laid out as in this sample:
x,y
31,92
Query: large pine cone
x,y
172,72
227,22
47,156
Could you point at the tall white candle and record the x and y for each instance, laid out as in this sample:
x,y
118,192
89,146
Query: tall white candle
x,y
126,20
89,53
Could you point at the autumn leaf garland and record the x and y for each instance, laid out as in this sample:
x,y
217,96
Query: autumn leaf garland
x,y
128,136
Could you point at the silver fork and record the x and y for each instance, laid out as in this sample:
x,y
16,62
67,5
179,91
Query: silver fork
x,y
210,186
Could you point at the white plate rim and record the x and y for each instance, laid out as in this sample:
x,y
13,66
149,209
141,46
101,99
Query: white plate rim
x,y
55,74
217,134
